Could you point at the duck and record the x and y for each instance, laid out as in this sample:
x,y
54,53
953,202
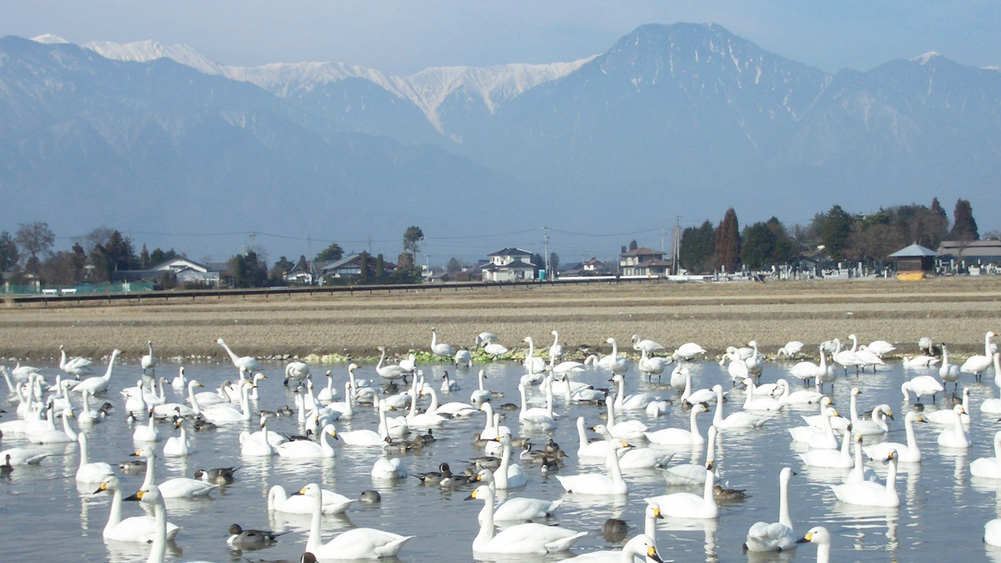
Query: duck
x,y
689,505
775,536
280,501
909,452
218,475
528,538
140,529
251,539
87,471
598,484
871,493
357,543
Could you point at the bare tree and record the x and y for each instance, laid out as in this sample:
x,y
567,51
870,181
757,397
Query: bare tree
x,y
36,239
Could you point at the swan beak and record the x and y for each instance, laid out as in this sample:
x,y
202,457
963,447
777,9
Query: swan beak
x,y
890,415
302,491
651,554
657,514
136,453
709,466
103,487
334,434
890,457
137,496
471,496
921,419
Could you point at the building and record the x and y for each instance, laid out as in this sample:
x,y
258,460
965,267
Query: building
x,y
350,266
643,262
972,252
509,264
914,261
185,271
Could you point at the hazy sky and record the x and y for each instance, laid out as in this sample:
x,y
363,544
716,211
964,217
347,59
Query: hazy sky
x,y
404,37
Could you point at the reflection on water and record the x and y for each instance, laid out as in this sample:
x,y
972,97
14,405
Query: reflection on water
x,y
942,506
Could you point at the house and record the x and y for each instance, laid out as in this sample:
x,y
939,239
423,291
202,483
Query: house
x,y
974,251
183,270
306,273
350,266
595,267
643,262
509,264
914,261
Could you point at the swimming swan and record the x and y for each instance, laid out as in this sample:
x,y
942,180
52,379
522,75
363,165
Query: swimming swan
x,y
775,536
520,538
358,543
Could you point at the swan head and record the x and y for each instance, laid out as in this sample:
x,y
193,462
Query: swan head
x,y
481,492
109,484
653,509
890,457
310,490
818,535
352,367
610,340
958,409
219,341
990,334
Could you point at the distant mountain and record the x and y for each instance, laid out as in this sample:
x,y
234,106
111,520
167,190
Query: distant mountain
x,y
673,119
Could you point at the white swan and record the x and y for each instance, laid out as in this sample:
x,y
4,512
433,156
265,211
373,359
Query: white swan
x,y
538,418
875,425
694,397
790,349
734,420
652,366
805,371
530,538
245,362
989,467
860,472
222,413
532,363
798,397
597,484
909,452
693,473
90,472
98,384
179,382
517,508
679,436
870,493
135,528
556,351
753,403
688,351
977,365
835,459
648,346
440,349
948,416
153,497
302,449
508,475
149,361
689,505
949,373
75,366
921,386
297,371
822,439
846,358
641,546
280,501
390,372
596,449
178,446
635,458
178,487
820,536
358,543
389,469
955,438
614,362
775,536
633,402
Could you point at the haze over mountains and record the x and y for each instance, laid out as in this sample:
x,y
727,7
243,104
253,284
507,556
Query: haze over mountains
x,y
681,119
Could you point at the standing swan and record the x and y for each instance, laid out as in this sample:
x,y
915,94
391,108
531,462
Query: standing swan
x,y
440,349
149,361
245,362
358,543
75,366
777,536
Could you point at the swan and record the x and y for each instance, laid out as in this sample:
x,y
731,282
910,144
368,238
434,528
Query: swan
x,y
635,458
820,536
800,397
908,453
688,351
835,459
993,405
633,402
450,409
790,349
179,409
88,416
24,456
530,538
596,449
613,362
227,412
919,361
440,349
859,472
641,546
776,536
679,436
921,386
178,446
245,362
178,487
838,423
805,371
98,384
179,382
463,356
90,472
327,393
357,543
752,403
689,505
865,355
949,373
648,346
537,418
870,493
49,435
977,365
409,363
693,473
652,366
302,449
449,385
425,419
149,361
556,351
734,420
255,446
737,368
280,501
133,529
753,362
989,467
532,363
508,475
481,394
389,469
695,397
678,375
597,484
390,372
948,416
846,358
875,425
822,439
75,366
955,438
625,430
365,437
517,508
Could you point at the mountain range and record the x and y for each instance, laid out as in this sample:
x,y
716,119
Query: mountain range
x,y
680,119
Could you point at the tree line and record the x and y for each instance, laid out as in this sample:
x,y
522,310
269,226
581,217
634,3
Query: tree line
x,y
841,235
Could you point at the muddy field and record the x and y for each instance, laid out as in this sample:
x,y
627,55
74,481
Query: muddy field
x,y
957,311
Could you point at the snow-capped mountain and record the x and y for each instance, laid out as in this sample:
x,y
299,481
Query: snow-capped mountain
x,y
145,51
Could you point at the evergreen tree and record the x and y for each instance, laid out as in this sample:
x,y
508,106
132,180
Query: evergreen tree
x,y
835,230
380,268
411,243
696,248
633,245
9,256
332,252
964,226
78,261
144,257
728,242
453,266
758,248
364,269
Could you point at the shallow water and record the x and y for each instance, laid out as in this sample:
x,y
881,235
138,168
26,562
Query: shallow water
x,y
942,513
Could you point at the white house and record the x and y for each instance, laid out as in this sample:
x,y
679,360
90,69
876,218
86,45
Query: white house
x,y
184,270
509,264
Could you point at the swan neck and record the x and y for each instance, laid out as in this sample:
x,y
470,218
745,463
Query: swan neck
x,y
784,517
150,474
487,526
824,553
84,458
313,542
158,551
912,443
116,511
694,423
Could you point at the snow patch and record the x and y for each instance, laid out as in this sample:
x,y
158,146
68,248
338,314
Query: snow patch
x,y
145,51
925,58
49,39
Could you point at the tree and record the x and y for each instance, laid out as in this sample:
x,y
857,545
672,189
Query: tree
x,y
247,270
280,268
332,252
964,226
9,256
158,256
633,245
364,269
835,230
36,239
144,257
758,248
554,261
380,268
696,248
120,252
98,236
102,264
78,261
411,242
728,242
453,266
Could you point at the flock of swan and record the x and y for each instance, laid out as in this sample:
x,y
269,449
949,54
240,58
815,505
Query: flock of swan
x,y
621,419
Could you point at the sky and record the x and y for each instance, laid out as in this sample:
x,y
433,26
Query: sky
x,y
403,37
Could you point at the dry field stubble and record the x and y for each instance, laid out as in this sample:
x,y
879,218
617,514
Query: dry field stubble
x,y
956,310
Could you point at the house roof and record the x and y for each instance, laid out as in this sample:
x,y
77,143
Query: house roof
x,y
914,251
511,252
642,251
189,263
974,248
653,262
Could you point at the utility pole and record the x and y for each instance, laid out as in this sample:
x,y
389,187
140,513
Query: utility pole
x,y
546,239
676,245
662,247
252,236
